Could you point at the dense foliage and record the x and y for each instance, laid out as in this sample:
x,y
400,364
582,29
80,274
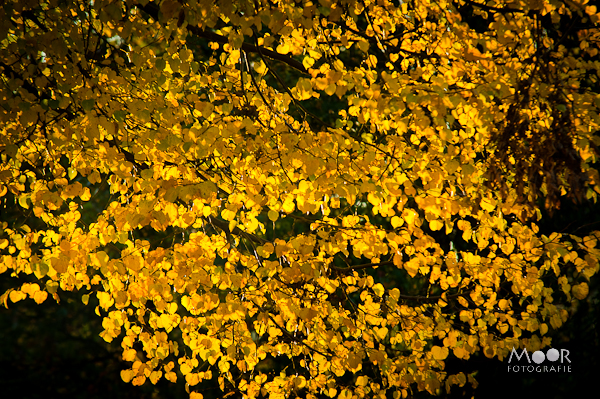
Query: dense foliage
x,y
294,198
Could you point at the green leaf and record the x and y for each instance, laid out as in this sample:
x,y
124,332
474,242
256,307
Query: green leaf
x,y
88,105
41,269
120,115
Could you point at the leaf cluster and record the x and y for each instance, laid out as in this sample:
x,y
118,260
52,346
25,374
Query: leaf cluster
x,y
301,198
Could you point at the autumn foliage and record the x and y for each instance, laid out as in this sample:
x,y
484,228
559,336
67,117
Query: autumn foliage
x,y
301,198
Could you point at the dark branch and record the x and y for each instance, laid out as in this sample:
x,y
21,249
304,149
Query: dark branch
x,y
223,225
359,267
152,10
249,48
501,10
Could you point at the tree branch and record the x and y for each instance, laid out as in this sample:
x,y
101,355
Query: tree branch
x,y
249,48
364,266
223,225
485,7
152,10
431,298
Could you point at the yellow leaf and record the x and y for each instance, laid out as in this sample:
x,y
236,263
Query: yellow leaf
x,y
30,289
488,204
378,289
273,215
232,225
16,296
283,48
459,352
439,353
171,376
129,355
260,67
381,332
308,62
127,375
397,222
409,216
40,296
224,366
85,195
451,166
362,380
138,380
373,61
580,291
185,369
463,301
436,225
23,201
155,376
412,267
192,379
105,299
